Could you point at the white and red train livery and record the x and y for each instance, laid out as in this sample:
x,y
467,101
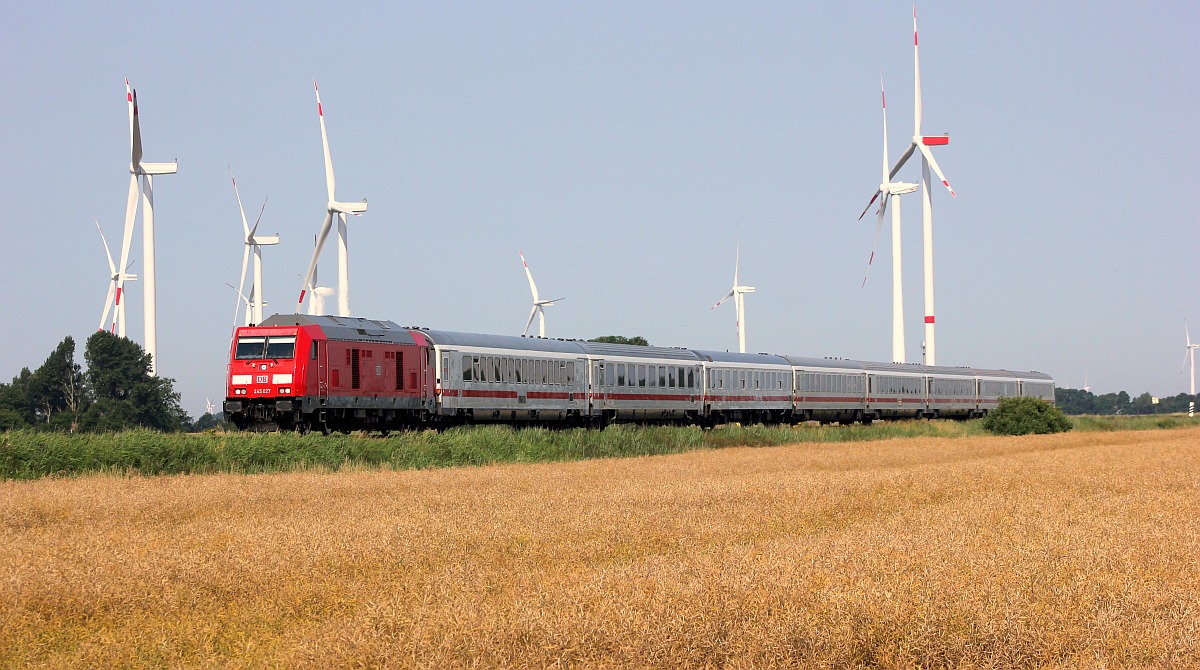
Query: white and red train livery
x,y
298,372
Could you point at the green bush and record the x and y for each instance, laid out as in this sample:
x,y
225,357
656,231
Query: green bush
x,y
1022,416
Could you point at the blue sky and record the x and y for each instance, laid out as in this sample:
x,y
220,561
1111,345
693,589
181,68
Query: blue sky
x,y
621,145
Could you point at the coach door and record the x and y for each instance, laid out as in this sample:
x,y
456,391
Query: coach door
x,y
426,366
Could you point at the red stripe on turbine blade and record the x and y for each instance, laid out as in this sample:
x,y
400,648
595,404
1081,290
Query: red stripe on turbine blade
x,y
302,292
319,112
935,140
929,319
119,296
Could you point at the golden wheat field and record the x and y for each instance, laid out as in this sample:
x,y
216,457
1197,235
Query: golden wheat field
x,y
1073,550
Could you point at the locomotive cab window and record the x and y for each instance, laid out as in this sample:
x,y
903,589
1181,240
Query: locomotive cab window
x,y
250,347
281,347
258,347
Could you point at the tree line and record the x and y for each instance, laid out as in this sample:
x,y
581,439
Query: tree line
x,y
116,392
1077,401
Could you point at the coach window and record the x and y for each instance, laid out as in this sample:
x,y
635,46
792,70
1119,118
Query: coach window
x,y
466,362
641,369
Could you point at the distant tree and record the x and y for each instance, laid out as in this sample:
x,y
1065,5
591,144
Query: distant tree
x,y
16,406
126,394
637,340
210,421
57,392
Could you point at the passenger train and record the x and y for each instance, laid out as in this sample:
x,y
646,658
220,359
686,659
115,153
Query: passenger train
x,y
329,373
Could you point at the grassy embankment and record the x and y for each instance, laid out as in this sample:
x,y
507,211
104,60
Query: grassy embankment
x,y
29,454
1071,550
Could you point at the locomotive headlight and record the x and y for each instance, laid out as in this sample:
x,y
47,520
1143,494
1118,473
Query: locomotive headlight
x,y
286,390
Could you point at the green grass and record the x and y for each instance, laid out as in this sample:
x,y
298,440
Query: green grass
x,y
29,455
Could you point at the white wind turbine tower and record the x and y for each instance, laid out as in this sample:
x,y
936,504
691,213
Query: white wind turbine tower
x,y
1190,355
332,207
138,168
738,293
253,243
117,326
539,305
887,189
922,143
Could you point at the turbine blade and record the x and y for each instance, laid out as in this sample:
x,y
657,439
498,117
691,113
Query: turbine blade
x,y
532,313
722,300
108,302
320,244
875,242
260,213
1187,335
127,237
532,286
868,207
737,261
883,99
329,180
916,80
245,225
135,160
933,164
112,269
903,159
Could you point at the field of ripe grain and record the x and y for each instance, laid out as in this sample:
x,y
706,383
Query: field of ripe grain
x,y
1052,551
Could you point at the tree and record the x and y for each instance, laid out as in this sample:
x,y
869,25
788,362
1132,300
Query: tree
x,y
126,394
637,340
56,389
16,407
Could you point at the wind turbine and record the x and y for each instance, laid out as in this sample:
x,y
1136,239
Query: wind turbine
x,y
738,293
1190,355
922,143
147,171
243,299
539,305
887,189
253,243
332,207
117,326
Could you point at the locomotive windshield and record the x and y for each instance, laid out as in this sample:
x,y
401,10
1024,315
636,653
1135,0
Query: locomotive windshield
x,y
255,347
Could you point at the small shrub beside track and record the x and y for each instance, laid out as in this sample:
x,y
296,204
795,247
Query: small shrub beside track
x,y
1022,416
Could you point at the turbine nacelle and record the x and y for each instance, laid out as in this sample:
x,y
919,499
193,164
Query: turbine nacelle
x,y
898,187
347,207
154,168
